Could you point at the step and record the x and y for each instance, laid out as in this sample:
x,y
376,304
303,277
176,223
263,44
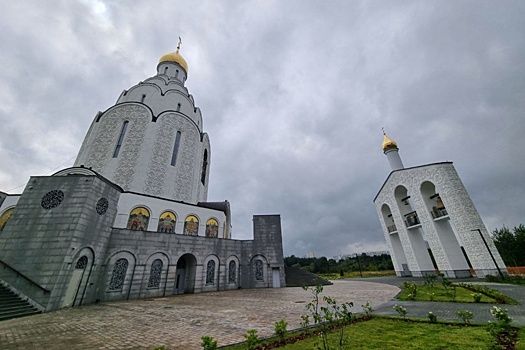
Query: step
x,y
16,307
16,315
6,300
16,312
12,302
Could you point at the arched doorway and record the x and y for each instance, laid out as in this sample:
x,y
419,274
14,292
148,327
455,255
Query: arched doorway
x,y
79,279
185,274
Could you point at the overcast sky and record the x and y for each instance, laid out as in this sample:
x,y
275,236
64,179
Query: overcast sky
x,y
293,96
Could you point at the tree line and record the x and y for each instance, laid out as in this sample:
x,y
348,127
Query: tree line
x,y
362,262
511,245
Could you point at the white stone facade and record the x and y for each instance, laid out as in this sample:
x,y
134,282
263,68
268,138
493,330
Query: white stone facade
x,y
429,205
155,111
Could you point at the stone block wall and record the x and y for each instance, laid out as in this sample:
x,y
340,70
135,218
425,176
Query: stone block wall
x,y
54,219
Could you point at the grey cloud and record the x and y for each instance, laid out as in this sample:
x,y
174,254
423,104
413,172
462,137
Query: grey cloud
x,y
293,95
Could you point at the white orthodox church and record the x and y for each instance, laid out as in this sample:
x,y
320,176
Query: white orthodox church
x,y
426,210
131,218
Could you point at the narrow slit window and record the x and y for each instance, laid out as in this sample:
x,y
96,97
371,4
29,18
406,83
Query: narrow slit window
x,y
178,107
166,70
143,98
204,166
177,74
175,149
120,139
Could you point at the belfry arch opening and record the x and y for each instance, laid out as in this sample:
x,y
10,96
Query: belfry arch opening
x,y
400,260
457,263
412,227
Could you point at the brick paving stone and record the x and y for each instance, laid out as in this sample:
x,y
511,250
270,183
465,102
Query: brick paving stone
x,y
178,322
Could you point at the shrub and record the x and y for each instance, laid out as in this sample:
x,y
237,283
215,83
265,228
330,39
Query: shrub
x,y
431,317
500,330
465,315
401,311
411,287
208,343
280,329
252,339
477,297
367,308
430,280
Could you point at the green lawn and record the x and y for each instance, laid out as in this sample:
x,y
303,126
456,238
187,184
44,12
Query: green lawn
x,y
357,274
381,333
387,333
463,295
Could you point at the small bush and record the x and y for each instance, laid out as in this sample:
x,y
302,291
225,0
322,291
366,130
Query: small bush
x,y
367,308
412,289
465,315
431,317
430,280
500,330
280,329
477,297
252,339
208,343
401,311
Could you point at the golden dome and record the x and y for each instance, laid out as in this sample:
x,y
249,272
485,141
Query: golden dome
x,y
175,57
388,143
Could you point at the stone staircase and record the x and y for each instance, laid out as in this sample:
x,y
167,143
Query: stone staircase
x,y
12,306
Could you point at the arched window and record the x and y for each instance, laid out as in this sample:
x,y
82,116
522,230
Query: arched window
x,y
155,273
81,263
138,219
166,70
175,149
167,222
212,228
204,166
120,139
119,275
178,107
259,270
210,272
5,216
232,269
177,74
143,98
191,226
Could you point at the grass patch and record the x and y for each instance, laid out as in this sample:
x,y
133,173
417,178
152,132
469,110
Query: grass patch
x,y
387,333
512,279
439,293
357,274
395,334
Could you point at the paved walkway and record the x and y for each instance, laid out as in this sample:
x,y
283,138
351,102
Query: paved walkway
x,y
179,321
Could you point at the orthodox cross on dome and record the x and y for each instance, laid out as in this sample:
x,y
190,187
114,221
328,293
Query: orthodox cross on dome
x,y
384,133
179,44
